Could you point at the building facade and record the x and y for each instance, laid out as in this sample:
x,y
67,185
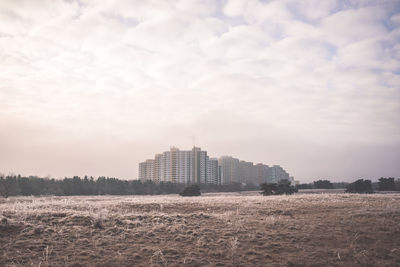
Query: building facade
x,y
278,174
213,172
196,167
180,166
230,170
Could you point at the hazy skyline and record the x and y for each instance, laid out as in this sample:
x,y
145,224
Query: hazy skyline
x,y
95,87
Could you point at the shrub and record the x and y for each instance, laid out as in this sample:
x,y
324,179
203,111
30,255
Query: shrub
x,y
283,187
360,186
268,189
192,190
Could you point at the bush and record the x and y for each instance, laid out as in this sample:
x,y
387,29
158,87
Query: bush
x,y
192,190
360,186
283,187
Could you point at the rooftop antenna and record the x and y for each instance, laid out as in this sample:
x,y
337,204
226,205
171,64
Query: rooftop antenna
x,y
194,140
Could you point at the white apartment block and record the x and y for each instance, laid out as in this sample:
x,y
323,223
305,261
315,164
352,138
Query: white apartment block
x,y
142,171
278,174
195,166
179,166
230,170
235,171
213,171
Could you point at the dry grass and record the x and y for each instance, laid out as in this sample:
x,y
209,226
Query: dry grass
x,y
212,230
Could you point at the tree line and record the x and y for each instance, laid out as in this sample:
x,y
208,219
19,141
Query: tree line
x,y
323,184
13,185
366,186
358,186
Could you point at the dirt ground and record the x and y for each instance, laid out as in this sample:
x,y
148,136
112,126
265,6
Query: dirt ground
x,y
230,229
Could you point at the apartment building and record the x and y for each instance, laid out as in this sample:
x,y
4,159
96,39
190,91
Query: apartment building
x,y
278,174
179,166
195,166
247,172
213,171
263,173
235,171
142,171
230,169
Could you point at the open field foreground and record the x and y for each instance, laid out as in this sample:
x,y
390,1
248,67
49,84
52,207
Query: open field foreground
x,y
211,230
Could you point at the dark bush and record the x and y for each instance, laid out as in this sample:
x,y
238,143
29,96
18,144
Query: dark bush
x,y
283,187
360,186
268,189
190,191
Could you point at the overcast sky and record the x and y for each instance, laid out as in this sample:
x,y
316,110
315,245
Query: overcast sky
x,y
94,87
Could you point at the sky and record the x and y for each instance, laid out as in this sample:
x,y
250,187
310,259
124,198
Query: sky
x,y
94,87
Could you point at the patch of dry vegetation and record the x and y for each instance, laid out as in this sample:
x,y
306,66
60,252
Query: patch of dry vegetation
x,y
212,230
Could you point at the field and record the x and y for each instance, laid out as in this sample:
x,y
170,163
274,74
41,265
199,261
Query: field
x,y
230,229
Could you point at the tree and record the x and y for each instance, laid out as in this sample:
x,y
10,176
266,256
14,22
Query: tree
x,y
191,190
360,186
323,184
283,187
386,184
268,189
397,183
9,186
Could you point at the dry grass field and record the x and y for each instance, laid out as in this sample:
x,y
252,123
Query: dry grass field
x,y
229,229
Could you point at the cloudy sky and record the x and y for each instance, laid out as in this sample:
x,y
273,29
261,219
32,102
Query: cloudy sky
x,y
94,87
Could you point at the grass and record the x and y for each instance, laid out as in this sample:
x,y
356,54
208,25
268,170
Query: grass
x,y
227,229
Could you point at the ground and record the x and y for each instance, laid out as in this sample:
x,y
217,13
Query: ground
x,y
231,229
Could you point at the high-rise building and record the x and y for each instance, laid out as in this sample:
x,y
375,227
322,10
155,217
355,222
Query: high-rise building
x,y
278,174
262,173
157,168
213,172
146,170
195,166
142,171
247,172
176,166
230,170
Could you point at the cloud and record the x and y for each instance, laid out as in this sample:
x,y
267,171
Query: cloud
x,y
314,9
294,79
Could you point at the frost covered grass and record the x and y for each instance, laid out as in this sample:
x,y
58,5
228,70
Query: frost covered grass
x,y
214,229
